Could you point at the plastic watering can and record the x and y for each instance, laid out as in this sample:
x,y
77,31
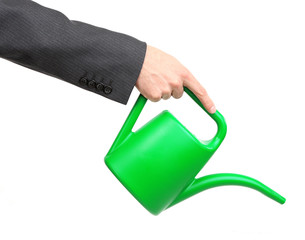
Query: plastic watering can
x,y
158,163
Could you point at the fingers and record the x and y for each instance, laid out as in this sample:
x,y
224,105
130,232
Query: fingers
x,y
166,89
178,91
163,76
166,94
192,84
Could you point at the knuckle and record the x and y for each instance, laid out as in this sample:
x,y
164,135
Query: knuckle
x,y
176,84
208,105
208,102
155,97
167,92
177,94
184,73
203,93
181,94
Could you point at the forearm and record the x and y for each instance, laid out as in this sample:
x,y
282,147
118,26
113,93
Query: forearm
x,y
93,58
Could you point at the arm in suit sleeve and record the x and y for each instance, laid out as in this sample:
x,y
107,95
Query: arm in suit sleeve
x,y
96,59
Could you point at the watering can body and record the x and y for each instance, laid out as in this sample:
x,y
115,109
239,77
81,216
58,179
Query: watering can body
x,y
159,162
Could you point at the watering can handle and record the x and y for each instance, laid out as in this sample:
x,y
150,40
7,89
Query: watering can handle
x,y
217,117
138,107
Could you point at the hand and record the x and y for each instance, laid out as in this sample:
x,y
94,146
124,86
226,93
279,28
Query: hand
x,y
163,76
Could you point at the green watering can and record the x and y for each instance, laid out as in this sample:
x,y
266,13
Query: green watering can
x,y
158,163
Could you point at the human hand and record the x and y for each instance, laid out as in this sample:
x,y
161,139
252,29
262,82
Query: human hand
x,y
163,76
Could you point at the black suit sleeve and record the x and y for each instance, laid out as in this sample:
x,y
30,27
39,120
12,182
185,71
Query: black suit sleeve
x,y
96,59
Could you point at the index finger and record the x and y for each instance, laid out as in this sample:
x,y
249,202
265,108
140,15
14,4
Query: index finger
x,y
192,84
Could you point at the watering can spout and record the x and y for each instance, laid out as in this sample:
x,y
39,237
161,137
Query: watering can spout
x,y
222,179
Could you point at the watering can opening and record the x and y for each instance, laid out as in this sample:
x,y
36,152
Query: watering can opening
x,y
159,162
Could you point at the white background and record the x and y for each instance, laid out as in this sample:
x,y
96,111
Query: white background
x,y
249,55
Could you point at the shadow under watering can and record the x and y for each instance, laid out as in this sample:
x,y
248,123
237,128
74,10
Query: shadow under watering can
x,y
158,163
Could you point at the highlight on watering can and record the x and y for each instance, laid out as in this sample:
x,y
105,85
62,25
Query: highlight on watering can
x,y
159,162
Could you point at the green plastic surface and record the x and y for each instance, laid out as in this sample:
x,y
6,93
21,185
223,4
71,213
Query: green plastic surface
x,y
159,162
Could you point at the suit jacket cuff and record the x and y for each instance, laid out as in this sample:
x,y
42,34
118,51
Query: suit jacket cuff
x,y
113,66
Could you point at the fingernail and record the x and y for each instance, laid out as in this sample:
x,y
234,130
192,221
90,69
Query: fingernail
x,y
212,109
